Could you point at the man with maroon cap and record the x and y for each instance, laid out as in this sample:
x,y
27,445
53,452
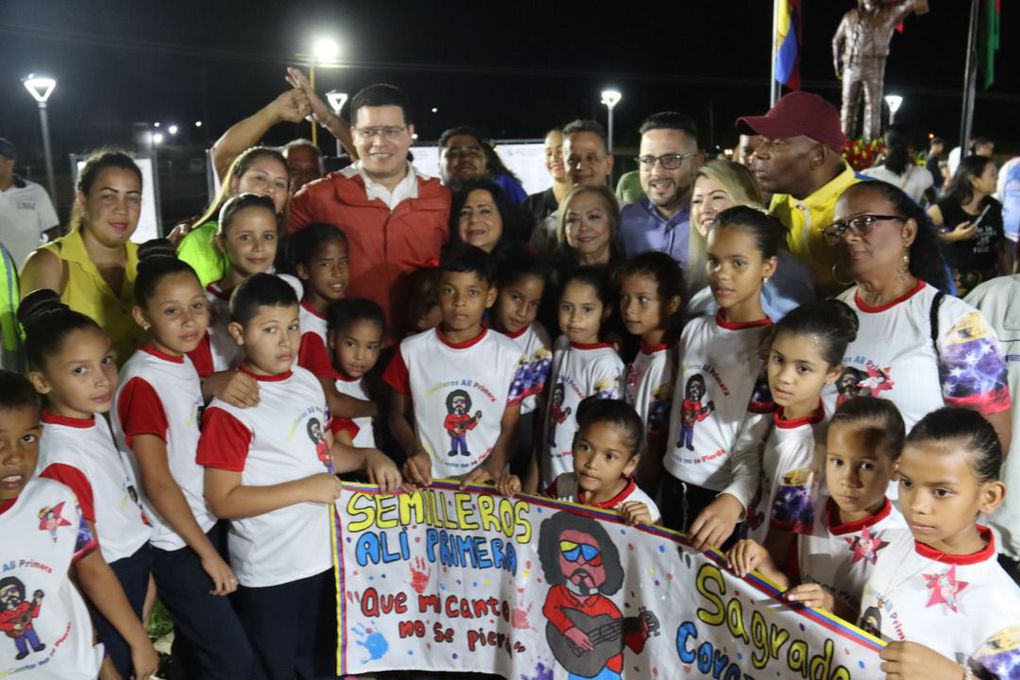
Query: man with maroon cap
x,y
799,163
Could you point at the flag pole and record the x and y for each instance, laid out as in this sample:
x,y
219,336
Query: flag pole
x,y
774,87
969,80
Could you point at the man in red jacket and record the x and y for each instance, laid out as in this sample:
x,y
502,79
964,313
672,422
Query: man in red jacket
x,y
396,220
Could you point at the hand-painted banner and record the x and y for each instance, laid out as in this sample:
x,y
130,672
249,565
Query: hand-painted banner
x,y
528,588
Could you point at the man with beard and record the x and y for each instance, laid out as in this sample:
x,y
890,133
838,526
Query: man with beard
x,y
668,159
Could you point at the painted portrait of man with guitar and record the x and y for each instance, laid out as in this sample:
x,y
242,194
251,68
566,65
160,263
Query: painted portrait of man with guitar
x,y
586,631
458,421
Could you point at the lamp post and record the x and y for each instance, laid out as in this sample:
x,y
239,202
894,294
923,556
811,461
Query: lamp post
x,y
41,88
336,100
325,50
894,102
611,98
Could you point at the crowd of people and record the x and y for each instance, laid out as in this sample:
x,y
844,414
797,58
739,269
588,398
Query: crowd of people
x,y
770,353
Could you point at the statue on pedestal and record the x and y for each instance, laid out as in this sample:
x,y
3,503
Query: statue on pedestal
x,y
859,50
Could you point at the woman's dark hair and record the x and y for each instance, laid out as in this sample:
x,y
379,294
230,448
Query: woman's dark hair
x,y
970,430
16,392
157,259
99,160
593,410
595,276
831,321
302,246
897,149
959,188
516,225
237,169
886,426
259,290
926,261
236,204
767,231
343,314
520,263
47,322
494,166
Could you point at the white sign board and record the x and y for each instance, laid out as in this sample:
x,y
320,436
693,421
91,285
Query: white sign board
x,y
525,159
148,221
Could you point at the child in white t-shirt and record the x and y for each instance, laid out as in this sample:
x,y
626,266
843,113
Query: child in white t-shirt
x,y
46,626
357,331
269,470
455,388
650,288
938,594
853,521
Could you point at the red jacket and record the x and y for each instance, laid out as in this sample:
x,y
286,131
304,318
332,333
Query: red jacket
x,y
384,247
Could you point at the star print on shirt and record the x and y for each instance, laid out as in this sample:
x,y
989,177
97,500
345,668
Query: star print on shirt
x,y
945,588
865,547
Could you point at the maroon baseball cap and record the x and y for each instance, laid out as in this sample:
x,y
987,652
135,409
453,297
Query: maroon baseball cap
x,y
798,113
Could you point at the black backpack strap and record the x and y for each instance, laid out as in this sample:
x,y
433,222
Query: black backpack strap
x,y
934,320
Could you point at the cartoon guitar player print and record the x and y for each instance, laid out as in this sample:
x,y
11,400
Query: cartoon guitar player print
x,y
16,616
557,414
586,631
691,410
458,421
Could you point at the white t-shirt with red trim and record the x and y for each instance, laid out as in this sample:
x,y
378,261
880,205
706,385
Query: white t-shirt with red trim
x,y
161,395
355,387
537,361
789,470
280,440
964,607
841,557
578,371
719,382
44,615
566,488
81,454
314,352
459,392
648,386
893,356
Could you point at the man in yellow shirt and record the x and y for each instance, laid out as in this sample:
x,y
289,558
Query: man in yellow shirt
x,y
798,161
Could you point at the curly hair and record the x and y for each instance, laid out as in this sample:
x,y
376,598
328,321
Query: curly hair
x,y
549,549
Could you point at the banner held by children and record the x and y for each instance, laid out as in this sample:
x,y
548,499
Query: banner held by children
x,y
452,579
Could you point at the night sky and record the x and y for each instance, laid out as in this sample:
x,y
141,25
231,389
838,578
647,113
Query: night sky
x,y
514,68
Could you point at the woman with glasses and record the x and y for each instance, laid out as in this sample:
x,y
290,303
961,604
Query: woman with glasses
x,y
916,346
971,227
719,185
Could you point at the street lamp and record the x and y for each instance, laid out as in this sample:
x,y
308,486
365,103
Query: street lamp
x,y
41,88
894,102
172,130
611,98
336,100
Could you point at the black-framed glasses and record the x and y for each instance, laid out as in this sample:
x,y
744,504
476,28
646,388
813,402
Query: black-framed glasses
x,y
860,225
669,161
384,131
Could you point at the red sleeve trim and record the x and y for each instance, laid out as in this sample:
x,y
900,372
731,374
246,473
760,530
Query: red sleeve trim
x,y
201,357
314,356
141,411
396,375
76,480
224,442
338,425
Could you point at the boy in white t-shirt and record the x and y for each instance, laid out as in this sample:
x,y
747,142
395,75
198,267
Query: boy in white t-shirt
x,y
269,470
456,392
42,615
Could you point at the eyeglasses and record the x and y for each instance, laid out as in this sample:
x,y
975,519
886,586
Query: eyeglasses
x,y
860,225
384,131
572,552
670,161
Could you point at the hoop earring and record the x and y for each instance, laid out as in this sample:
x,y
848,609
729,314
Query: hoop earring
x,y
835,277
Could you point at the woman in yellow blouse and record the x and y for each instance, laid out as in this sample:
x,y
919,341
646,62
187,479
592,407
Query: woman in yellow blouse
x,y
93,268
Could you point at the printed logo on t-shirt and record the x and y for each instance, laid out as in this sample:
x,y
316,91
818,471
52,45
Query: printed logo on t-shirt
x,y
50,519
865,546
692,411
318,437
531,374
16,615
872,381
1000,654
557,414
945,589
459,420
658,409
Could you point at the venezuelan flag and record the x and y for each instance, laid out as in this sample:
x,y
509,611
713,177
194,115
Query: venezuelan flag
x,y
788,43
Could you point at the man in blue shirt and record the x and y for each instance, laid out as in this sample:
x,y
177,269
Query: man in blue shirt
x,y
668,159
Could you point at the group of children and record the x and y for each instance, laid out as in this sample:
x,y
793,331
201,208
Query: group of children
x,y
229,428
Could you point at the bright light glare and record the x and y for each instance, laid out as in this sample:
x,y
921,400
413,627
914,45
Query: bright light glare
x,y
40,87
611,97
894,101
156,124
198,123
325,50
157,138
172,129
